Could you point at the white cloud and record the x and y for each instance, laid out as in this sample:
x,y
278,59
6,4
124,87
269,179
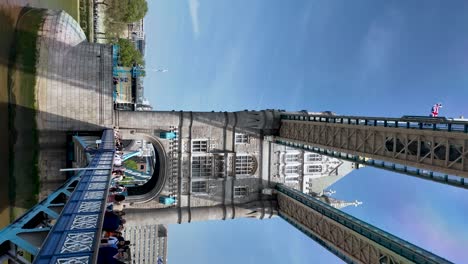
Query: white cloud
x,y
380,42
193,8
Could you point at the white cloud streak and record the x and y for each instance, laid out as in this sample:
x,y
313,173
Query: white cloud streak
x,y
194,5
380,42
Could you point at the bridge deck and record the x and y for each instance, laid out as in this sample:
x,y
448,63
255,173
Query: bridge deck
x,y
77,209
75,236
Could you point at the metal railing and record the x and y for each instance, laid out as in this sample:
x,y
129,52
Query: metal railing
x,y
76,234
407,122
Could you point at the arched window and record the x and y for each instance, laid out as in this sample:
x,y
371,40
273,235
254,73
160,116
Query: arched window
x,y
245,165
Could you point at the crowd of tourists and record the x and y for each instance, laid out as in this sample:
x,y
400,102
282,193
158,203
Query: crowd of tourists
x,y
114,248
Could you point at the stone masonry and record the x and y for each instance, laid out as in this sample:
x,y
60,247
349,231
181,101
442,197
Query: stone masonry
x,y
73,91
74,88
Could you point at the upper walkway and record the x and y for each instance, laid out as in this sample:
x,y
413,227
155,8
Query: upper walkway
x,y
352,240
417,146
408,122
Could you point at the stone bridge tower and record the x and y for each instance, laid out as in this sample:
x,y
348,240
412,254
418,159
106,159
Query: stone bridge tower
x,y
220,166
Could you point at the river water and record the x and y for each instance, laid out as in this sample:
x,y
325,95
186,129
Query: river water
x,y
15,132
9,14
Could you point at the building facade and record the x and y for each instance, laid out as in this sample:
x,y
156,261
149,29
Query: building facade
x,y
308,172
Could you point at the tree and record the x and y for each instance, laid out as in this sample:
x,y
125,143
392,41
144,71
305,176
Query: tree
x,y
114,30
127,11
129,55
136,10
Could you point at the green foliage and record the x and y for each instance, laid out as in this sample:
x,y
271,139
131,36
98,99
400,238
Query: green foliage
x,y
119,13
114,29
129,54
131,164
127,11
135,11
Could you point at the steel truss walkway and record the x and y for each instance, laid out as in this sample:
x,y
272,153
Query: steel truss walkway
x,y
64,227
413,145
349,238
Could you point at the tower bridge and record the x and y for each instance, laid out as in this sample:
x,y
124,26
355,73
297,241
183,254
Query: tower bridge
x,y
259,164
220,165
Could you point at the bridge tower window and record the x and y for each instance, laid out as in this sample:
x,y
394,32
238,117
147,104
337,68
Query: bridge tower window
x,y
291,169
218,165
242,138
240,191
202,166
292,158
314,168
314,157
199,187
245,165
200,145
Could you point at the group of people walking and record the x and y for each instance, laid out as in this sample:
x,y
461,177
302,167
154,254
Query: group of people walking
x,y
118,156
114,248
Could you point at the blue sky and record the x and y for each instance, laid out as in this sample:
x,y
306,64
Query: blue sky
x,y
366,57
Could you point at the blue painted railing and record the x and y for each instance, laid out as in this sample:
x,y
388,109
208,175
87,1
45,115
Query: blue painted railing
x,y
75,236
130,155
13,232
84,145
